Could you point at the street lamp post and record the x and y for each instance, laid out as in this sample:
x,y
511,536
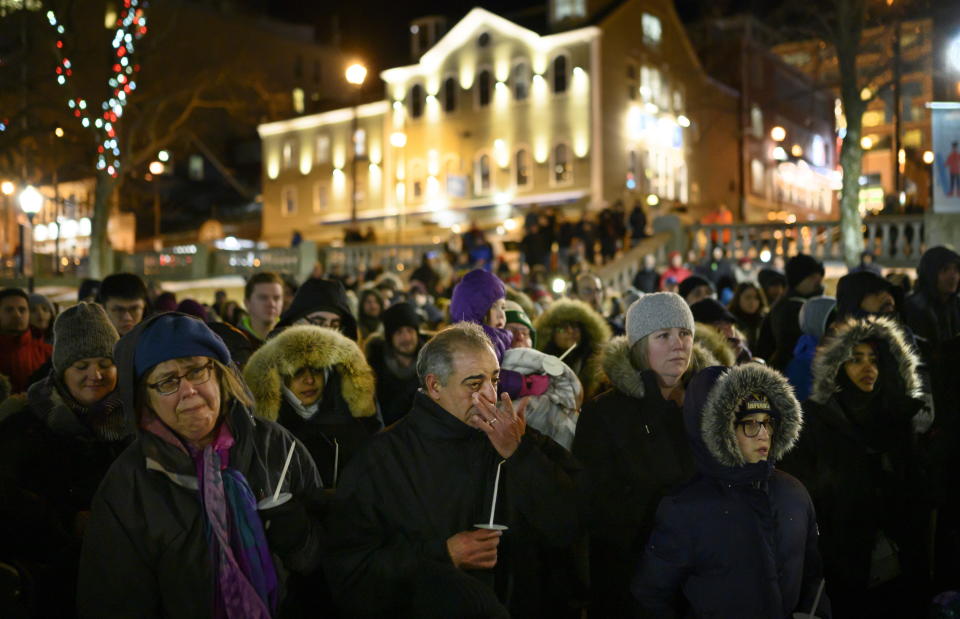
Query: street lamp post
x,y
31,201
356,74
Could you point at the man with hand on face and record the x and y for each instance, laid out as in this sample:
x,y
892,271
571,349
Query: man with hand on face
x,y
404,540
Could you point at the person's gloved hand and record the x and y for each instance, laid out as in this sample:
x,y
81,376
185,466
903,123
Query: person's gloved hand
x,y
286,526
534,384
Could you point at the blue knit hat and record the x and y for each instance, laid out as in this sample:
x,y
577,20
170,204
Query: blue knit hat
x,y
474,295
174,336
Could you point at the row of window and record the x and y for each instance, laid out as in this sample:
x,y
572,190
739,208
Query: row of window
x,y
520,80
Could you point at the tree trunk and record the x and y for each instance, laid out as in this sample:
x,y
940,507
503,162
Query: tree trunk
x,y
851,233
101,254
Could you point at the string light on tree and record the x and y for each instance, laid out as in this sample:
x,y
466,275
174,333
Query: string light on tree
x,y
130,28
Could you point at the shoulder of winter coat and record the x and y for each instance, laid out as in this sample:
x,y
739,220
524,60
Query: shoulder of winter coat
x,y
716,343
571,310
317,347
373,346
837,348
623,376
725,398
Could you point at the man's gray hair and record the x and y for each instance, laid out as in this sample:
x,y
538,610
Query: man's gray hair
x,y
436,356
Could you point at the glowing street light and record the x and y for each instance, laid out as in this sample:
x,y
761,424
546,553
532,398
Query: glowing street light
x,y
164,156
31,201
156,168
778,134
866,142
928,157
58,132
356,74
7,188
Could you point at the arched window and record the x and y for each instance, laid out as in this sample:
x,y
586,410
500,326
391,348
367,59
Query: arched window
x,y
415,102
522,165
561,164
484,87
482,174
449,94
521,80
559,74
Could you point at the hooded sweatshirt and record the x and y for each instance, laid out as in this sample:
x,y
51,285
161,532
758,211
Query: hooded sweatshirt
x,y
740,540
928,315
315,295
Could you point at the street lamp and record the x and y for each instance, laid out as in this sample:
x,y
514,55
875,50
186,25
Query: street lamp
x,y
778,134
355,74
31,201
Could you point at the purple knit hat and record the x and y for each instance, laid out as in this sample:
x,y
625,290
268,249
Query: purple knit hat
x,y
472,298
474,295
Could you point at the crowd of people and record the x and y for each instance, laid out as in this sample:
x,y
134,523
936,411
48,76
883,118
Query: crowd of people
x,y
718,440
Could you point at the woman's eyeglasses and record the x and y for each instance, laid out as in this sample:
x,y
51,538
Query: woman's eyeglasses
x,y
195,376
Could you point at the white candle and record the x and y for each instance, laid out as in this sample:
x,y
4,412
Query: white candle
x,y
496,487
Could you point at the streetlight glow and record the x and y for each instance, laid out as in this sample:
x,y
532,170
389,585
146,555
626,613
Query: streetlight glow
x,y
778,134
31,200
156,167
866,142
356,74
7,188
58,132
928,157
164,156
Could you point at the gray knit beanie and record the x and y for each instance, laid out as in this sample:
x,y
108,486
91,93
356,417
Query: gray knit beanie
x,y
652,312
80,332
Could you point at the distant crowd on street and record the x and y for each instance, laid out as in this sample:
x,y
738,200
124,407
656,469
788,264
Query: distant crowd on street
x,y
486,437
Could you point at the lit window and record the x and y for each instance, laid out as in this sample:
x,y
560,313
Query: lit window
x,y
562,9
449,94
484,87
321,197
360,143
651,29
560,74
756,121
415,102
561,164
195,168
523,167
323,149
757,177
482,174
521,81
288,201
297,96
287,155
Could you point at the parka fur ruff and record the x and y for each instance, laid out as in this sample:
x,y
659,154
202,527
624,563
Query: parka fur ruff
x,y
595,327
726,397
837,349
620,372
317,347
716,343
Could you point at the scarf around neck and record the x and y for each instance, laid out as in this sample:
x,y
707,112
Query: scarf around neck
x,y
245,580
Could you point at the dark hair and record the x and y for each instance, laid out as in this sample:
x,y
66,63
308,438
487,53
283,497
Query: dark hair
x,y
263,277
14,292
122,286
741,288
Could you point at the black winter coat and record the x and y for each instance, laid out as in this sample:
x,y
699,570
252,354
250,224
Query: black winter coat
x,y
780,331
426,479
634,449
862,469
51,462
394,394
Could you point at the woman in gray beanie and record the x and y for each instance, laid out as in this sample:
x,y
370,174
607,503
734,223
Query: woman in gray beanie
x,y
632,443
55,447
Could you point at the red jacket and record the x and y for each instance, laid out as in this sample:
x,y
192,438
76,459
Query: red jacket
x,y
20,356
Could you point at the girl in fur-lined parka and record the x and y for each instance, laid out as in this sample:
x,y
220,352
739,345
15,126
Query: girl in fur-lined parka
x,y
566,323
857,457
741,539
316,383
631,441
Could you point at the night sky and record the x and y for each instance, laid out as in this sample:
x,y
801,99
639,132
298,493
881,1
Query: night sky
x,y
376,30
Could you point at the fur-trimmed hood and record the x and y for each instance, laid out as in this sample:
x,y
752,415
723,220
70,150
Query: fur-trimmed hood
x,y
621,374
571,310
838,346
318,347
593,326
716,343
710,410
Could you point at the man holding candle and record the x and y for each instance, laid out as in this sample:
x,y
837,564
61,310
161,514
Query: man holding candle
x,y
403,534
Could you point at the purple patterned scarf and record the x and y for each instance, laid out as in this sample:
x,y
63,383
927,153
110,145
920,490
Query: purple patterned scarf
x,y
246,581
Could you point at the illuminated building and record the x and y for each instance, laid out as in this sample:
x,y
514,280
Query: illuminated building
x,y
492,118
